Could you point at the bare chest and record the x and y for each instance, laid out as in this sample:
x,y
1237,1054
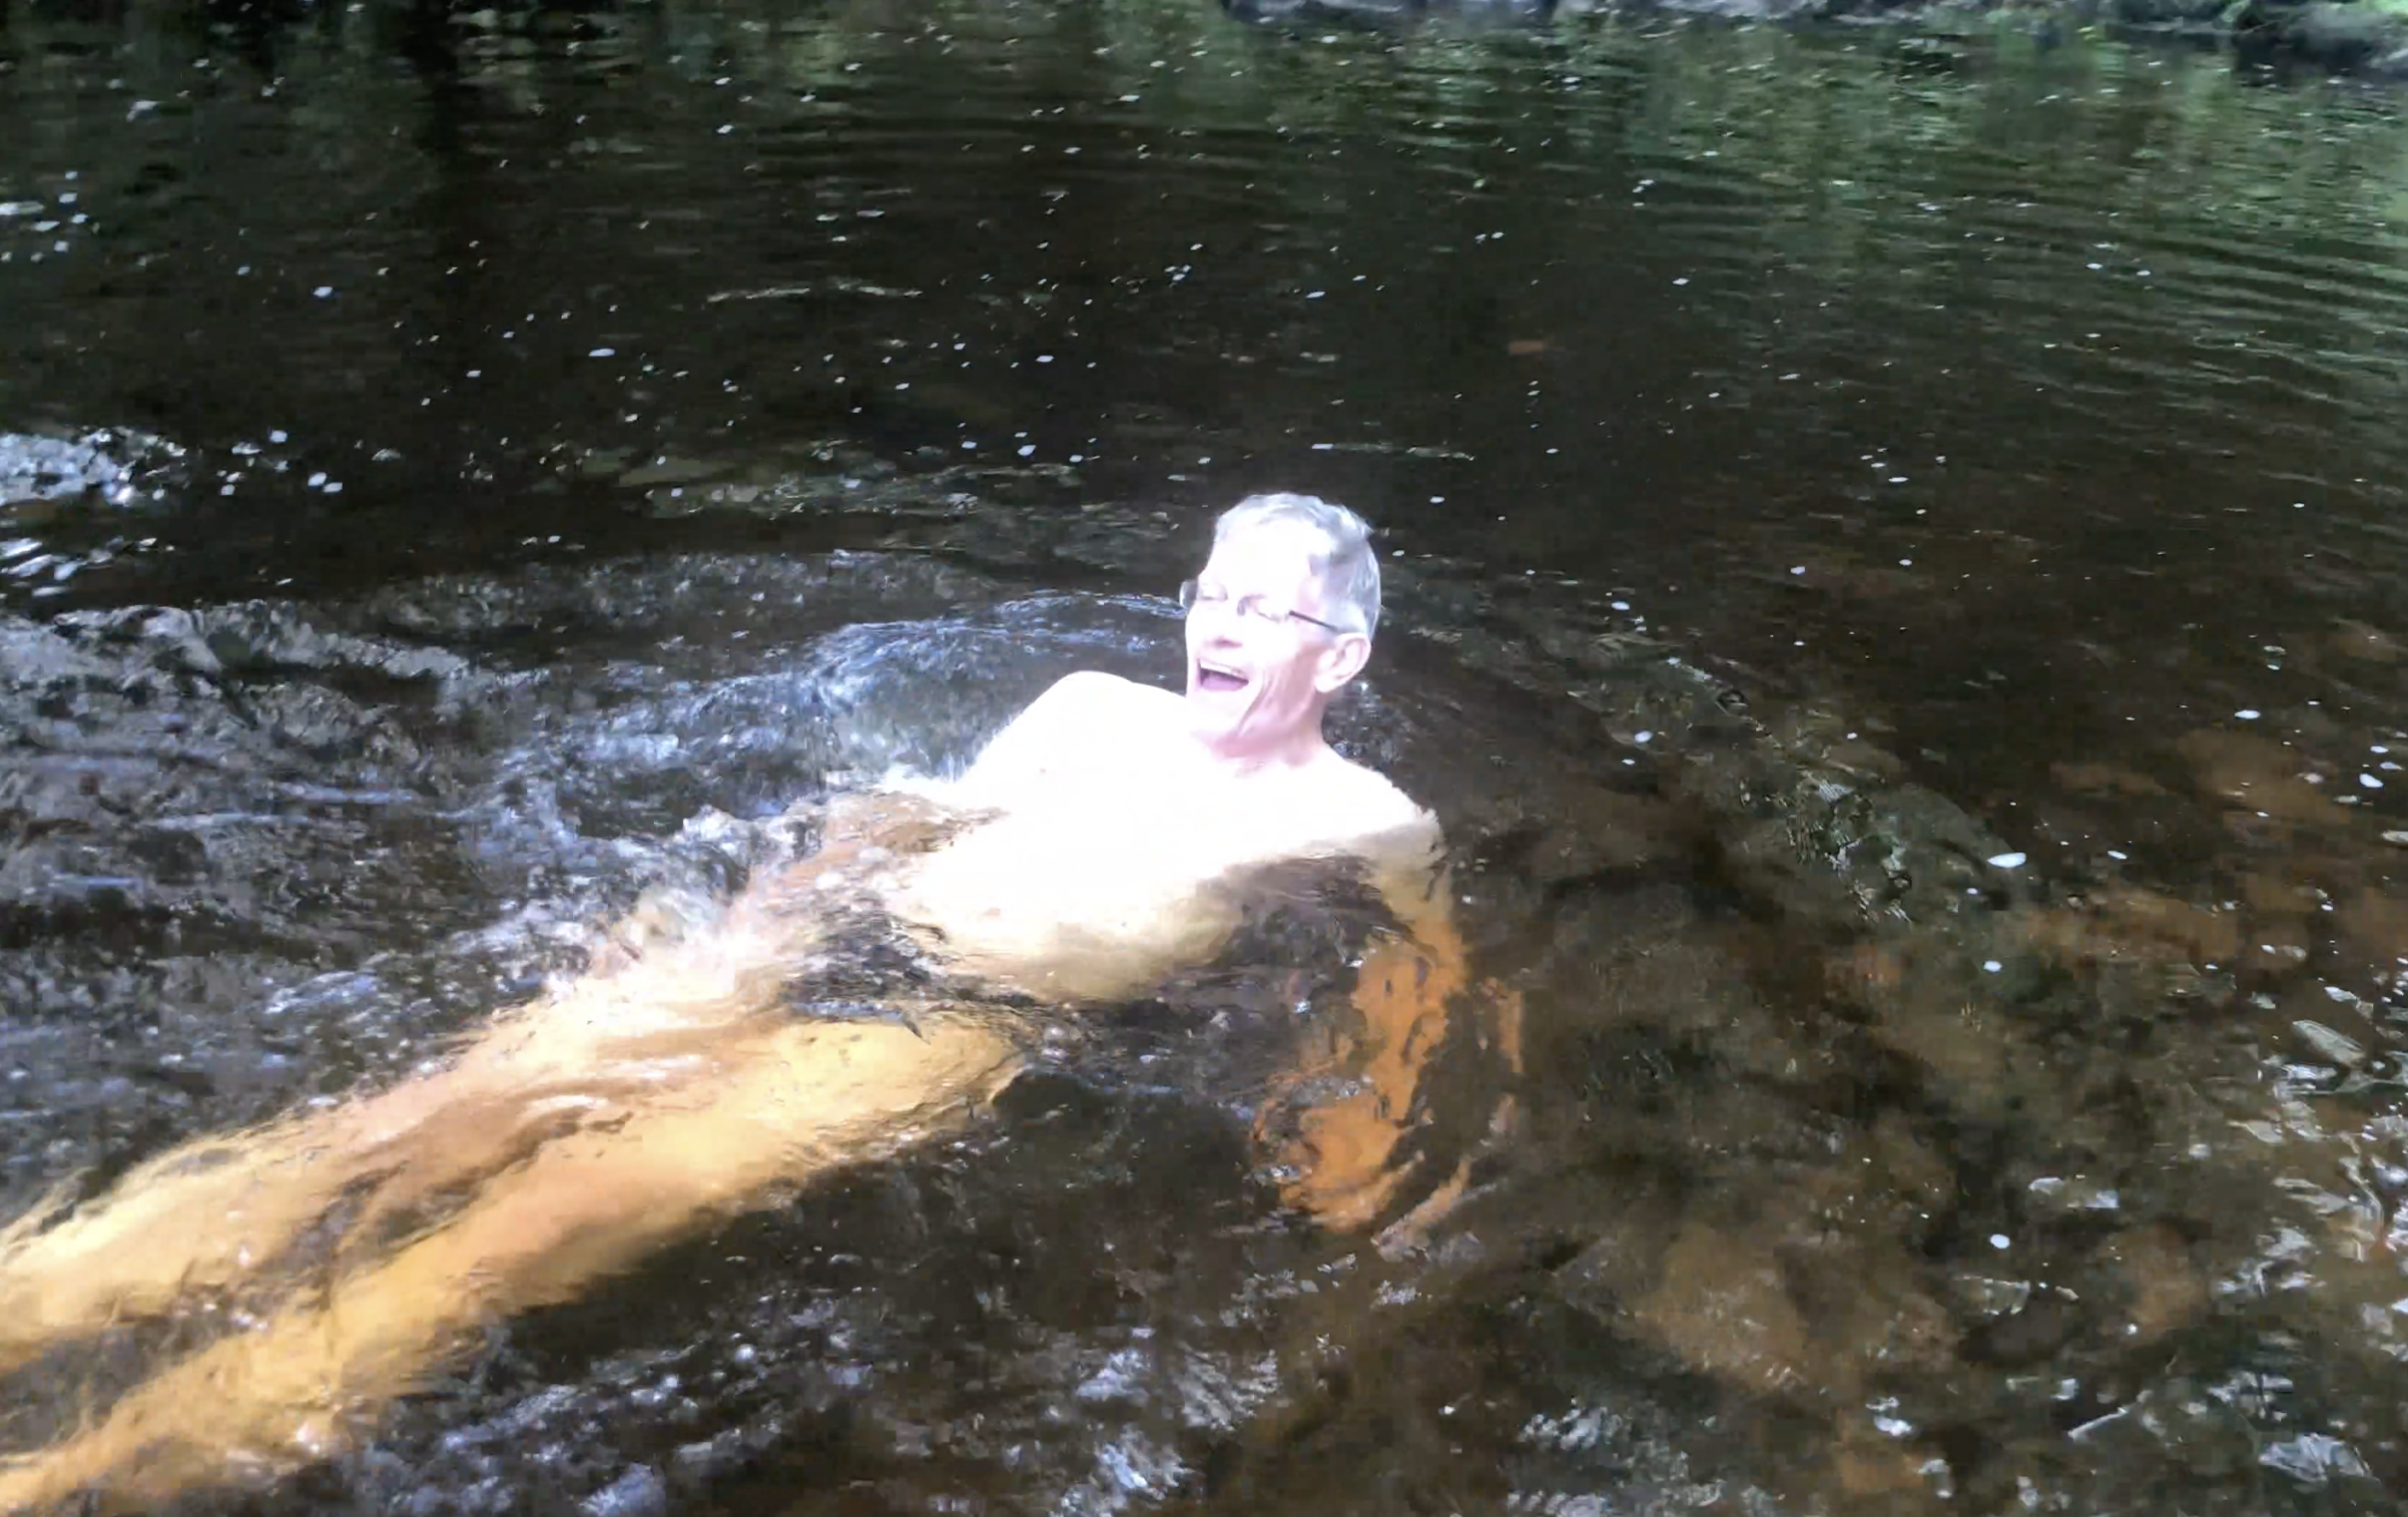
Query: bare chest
x,y
1089,893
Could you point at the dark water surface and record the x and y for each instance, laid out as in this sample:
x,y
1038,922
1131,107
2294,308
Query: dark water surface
x,y
1897,591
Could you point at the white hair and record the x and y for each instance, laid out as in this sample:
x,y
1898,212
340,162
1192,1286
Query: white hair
x,y
1347,567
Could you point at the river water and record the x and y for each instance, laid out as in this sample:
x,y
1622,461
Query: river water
x,y
1896,592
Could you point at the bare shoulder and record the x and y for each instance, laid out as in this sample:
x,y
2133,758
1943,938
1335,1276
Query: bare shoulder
x,y
1075,729
1369,810
1103,716
1089,692
1397,839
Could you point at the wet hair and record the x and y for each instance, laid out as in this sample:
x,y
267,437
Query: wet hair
x,y
1347,566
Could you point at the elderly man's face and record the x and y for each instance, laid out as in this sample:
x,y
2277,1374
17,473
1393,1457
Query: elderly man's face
x,y
1258,677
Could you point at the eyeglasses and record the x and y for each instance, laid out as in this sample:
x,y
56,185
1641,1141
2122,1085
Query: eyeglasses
x,y
1193,593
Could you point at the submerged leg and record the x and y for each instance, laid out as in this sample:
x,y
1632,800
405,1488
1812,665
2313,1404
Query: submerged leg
x,y
809,1097
207,1216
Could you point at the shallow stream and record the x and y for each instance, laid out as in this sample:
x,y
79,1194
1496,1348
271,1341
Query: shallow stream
x,y
1895,591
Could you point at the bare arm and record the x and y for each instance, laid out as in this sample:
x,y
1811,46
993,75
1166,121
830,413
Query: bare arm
x,y
1345,1158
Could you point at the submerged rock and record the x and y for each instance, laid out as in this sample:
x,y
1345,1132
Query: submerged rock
x,y
2164,1290
1720,1305
2345,36
2169,13
2337,34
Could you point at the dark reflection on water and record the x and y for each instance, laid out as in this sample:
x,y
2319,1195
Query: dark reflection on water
x,y
460,472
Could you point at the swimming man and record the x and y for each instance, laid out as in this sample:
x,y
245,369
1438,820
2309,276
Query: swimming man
x,y
1093,846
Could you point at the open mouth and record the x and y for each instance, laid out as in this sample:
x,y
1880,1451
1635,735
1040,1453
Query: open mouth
x,y
1214,677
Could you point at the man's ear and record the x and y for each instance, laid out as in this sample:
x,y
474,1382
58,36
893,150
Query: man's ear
x,y
1340,662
